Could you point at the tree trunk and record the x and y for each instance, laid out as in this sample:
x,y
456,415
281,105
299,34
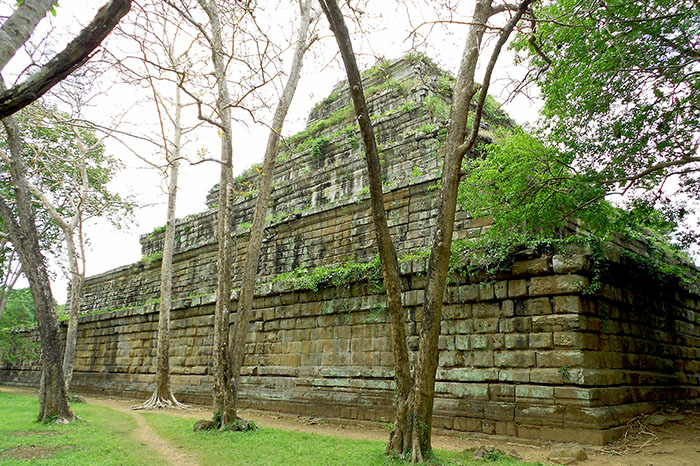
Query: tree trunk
x,y
250,268
53,400
413,423
387,252
224,410
163,396
11,276
76,293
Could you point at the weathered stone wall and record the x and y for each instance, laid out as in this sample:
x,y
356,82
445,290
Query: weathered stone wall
x,y
523,355
526,353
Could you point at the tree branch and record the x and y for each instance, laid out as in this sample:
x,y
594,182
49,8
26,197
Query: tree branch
x,y
76,53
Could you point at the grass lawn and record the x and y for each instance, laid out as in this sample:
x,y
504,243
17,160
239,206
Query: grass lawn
x,y
103,437
100,438
277,447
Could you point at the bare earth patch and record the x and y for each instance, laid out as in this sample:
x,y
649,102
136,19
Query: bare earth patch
x,y
31,452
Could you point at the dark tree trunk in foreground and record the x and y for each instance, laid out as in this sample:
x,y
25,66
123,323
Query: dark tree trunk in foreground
x,y
53,401
252,257
413,423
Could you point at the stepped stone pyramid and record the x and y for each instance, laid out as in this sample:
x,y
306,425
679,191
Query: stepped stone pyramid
x,y
525,353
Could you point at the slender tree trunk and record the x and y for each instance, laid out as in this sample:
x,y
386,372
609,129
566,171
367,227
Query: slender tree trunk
x,y
11,277
53,400
413,423
250,268
163,396
224,411
76,293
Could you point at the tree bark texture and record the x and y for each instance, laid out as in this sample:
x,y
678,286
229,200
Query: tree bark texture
x,y
18,27
73,56
413,423
53,400
252,257
224,405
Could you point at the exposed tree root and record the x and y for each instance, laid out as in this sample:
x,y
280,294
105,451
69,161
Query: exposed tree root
x,y
157,401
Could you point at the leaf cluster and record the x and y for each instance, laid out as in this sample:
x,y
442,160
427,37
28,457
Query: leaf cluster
x,y
621,88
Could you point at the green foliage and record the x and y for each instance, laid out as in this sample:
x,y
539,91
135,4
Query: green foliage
x,y
325,103
529,188
301,140
318,145
532,194
621,90
445,84
494,114
315,279
409,106
252,171
437,107
147,259
19,310
245,226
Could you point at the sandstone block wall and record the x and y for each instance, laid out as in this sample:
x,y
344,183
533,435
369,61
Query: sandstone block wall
x,y
522,355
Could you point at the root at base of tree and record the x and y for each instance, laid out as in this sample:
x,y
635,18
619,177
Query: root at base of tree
x,y
160,402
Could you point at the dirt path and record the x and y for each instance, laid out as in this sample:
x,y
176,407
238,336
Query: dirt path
x,y
144,433
675,443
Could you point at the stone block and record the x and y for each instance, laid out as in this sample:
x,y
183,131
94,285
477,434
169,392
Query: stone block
x,y
531,267
515,325
557,284
517,288
514,359
486,292
569,263
489,325
502,392
478,359
466,424
514,375
539,415
540,340
500,289
537,306
486,310
507,308
479,342
560,358
516,341
462,342
567,304
541,393
499,411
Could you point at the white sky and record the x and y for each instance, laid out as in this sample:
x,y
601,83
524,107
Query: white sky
x,y
386,34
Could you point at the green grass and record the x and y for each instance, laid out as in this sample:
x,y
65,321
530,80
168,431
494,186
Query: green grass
x,y
100,438
273,447
103,437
